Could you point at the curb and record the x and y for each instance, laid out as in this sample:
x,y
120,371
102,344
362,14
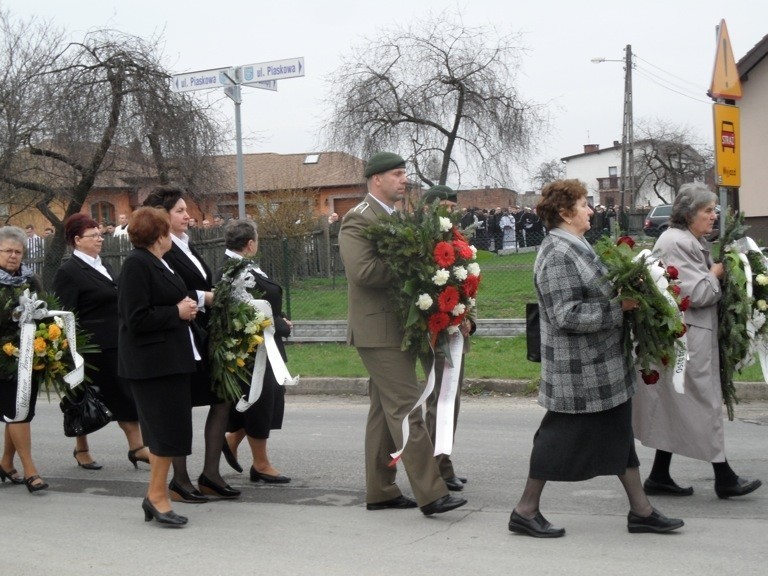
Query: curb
x,y
746,391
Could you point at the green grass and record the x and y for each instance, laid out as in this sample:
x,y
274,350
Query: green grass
x,y
506,285
490,358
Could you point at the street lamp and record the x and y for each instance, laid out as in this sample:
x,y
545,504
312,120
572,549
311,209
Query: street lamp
x,y
627,133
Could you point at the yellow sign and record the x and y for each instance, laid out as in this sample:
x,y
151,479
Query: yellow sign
x,y
725,78
727,145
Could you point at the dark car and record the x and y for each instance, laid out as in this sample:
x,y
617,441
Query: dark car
x,y
657,221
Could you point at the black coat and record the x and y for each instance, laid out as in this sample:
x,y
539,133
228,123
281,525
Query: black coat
x,y
153,341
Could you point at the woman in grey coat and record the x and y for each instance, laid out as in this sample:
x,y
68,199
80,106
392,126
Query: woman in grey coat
x,y
586,385
690,424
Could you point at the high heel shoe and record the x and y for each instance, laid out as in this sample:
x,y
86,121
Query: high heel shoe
x,y
90,465
169,518
133,459
230,457
181,494
268,478
212,489
11,475
32,487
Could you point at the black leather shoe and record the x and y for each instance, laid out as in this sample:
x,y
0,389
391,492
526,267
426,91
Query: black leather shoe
x,y
656,523
399,503
666,488
169,518
230,457
268,478
538,526
88,465
210,488
454,484
743,486
462,479
11,475
180,494
444,504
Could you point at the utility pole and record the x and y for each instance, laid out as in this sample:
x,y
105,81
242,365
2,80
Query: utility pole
x,y
627,138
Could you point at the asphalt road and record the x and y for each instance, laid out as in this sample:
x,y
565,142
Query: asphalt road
x,y
91,522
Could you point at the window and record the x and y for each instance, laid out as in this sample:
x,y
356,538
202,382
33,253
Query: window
x,y
103,212
312,159
612,171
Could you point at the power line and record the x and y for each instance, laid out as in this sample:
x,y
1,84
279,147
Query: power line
x,y
693,84
660,83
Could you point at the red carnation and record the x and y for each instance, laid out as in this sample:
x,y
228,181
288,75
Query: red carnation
x,y
650,376
462,249
438,322
675,289
665,360
469,287
672,272
682,332
684,304
444,255
456,320
625,240
448,299
458,235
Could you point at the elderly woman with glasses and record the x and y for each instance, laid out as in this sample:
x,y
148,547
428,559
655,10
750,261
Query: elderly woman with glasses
x,y
87,286
15,277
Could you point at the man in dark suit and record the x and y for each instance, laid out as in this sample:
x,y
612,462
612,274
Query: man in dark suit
x,y
375,330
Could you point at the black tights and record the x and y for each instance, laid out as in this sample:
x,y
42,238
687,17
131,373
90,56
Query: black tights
x,y
215,429
724,474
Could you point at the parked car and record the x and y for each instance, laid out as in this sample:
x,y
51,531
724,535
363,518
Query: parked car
x,y
657,221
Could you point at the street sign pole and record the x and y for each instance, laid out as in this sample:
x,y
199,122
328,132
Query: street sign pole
x,y
263,75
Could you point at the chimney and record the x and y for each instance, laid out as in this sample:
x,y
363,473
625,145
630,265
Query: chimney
x,y
591,148
616,143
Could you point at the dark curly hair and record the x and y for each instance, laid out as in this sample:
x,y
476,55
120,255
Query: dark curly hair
x,y
164,197
559,196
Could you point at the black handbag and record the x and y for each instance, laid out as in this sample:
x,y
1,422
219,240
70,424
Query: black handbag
x,y
84,415
532,332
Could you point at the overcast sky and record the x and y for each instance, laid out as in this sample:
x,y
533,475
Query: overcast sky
x,y
674,42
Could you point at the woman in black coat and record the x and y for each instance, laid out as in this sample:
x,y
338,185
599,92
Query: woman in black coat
x,y
267,413
197,277
157,354
88,287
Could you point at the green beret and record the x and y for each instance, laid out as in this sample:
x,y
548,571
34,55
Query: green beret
x,y
439,192
383,162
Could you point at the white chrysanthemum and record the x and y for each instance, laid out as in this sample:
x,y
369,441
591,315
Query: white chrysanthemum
x,y
758,319
441,277
761,279
459,309
474,252
762,305
445,223
424,302
471,302
460,273
473,268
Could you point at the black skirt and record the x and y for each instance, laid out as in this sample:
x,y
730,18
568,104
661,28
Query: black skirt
x,y
165,413
575,447
265,415
8,388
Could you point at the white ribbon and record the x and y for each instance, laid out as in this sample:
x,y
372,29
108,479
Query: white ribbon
x,y
27,313
758,345
448,389
267,351
658,271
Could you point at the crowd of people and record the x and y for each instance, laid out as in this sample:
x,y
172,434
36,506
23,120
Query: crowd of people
x,y
499,228
150,323
153,367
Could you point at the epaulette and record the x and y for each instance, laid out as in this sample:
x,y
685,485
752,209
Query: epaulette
x,y
361,207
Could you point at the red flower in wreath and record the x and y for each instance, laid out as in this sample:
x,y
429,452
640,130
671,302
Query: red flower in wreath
x,y
682,332
456,320
672,272
469,287
650,376
625,240
685,303
458,235
675,289
444,255
448,299
438,321
462,249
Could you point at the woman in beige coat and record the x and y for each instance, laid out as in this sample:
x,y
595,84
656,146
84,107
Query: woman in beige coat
x,y
690,424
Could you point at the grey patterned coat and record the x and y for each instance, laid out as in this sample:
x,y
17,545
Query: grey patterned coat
x,y
582,362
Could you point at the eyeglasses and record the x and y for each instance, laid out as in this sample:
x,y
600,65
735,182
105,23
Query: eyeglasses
x,y
10,251
95,236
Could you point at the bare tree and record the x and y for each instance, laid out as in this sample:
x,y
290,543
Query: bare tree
x,y
436,91
666,157
99,110
548,172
